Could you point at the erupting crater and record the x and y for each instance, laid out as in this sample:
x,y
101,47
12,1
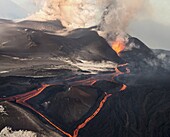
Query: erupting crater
x,y
118,46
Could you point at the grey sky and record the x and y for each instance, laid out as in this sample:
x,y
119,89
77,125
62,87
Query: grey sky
x,y
11,10
154,29
152,33
28,5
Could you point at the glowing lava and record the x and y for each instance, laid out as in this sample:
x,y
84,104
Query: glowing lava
x,y
123,87
76,131
118,46
23,98
118,72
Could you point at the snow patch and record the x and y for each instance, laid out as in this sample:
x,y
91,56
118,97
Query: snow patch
x,y
8,132
162,56
2,72
2,110
94,67
3,43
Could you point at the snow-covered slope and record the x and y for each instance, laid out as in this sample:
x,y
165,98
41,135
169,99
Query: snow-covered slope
x,y
10,10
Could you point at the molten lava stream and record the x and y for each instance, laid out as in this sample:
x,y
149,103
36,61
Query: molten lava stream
x,y
123,87
34,93
21,99
118,46
26,96
44,117
76,131
118,72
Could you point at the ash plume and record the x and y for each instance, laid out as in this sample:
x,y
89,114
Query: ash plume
x,y
109,15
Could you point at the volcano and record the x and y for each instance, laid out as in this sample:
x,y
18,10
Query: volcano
x,y
75,84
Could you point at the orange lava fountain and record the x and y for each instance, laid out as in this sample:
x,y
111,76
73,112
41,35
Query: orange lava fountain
x,y
118,46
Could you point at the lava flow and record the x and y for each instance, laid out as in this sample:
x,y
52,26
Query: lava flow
x,y
92,116
118,46
118,72
23,98
123,87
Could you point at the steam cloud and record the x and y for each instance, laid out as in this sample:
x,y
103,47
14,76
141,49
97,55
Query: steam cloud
x,y
108,14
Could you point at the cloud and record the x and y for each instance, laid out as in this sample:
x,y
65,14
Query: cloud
x,y
109,14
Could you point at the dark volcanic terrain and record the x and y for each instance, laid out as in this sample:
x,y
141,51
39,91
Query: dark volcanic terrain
x,y
72,83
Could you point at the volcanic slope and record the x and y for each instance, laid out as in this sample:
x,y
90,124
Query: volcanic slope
x,y
26,48
49,78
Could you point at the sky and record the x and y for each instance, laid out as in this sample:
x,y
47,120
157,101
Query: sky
x,y
28,5
153,29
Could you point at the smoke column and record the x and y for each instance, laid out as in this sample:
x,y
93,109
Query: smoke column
x,y
108,14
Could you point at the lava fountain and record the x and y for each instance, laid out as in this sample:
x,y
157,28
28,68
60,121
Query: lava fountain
x,y
118,46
